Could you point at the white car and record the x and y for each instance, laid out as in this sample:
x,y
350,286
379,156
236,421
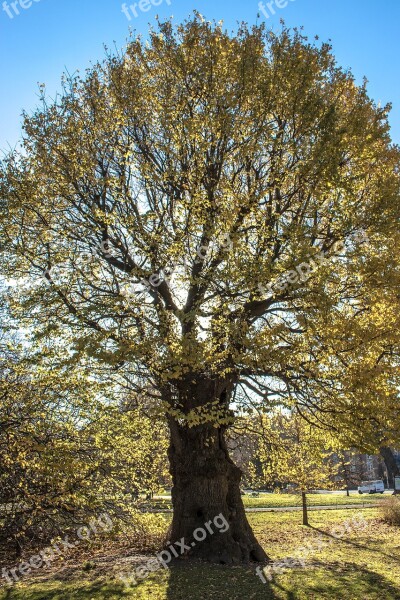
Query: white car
x,y
371,487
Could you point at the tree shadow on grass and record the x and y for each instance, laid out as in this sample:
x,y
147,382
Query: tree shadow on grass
x,y
203,581
97,590
321,580
343,580
355,544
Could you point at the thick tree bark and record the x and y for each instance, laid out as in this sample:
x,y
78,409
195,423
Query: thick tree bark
x,y
391,465
305,512
206,484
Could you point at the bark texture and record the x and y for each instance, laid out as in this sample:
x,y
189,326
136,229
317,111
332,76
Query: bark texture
x,y
304,505
391,465
206,484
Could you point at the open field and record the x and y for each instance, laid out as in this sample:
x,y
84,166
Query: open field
x,y
283,500
286,500
361,564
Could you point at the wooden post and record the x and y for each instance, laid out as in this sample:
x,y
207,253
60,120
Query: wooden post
x,y
305,513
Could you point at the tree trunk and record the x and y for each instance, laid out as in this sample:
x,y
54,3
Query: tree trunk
x,y
347,492
391,465
206,485
305,512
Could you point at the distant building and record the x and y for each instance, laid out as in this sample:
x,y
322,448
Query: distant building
x,y
396,454
364,467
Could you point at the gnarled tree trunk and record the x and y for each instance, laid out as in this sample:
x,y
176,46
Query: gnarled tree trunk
x,y
391,465
304,506
206,484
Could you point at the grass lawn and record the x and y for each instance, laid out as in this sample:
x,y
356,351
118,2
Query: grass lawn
x,y
363,564
282,500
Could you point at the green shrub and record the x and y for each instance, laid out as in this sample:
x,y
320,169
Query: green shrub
x,y
390,510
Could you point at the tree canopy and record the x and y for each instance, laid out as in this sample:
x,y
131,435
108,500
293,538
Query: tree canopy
x,y
215,216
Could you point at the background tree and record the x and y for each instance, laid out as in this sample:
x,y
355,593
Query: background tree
x,y
67,454
303,455
351,469
392,466
243,441
191,214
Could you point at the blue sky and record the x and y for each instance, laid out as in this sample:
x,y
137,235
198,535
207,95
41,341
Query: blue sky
x,y
50,36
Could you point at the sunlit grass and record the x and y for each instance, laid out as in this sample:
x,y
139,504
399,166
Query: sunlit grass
x,y
363,565
282,500
286,500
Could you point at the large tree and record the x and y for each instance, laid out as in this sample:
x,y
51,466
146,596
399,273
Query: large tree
x,y
214,216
